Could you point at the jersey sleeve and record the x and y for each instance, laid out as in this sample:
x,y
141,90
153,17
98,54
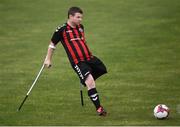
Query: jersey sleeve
x,y
83,32
57,35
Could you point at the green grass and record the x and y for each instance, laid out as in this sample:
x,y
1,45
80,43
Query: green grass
x,y
138,40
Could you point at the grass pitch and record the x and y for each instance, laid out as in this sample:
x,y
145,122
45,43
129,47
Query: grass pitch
x,y
138,40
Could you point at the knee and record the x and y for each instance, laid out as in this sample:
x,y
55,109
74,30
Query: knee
x,y
90,83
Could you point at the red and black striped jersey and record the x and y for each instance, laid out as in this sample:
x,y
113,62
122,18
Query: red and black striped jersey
x,y
73,40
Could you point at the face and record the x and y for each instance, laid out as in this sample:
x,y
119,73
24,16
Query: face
x,y
76,19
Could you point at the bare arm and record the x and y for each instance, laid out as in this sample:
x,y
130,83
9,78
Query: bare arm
x,y
48,59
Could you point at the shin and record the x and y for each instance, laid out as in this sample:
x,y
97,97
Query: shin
x,y
90,83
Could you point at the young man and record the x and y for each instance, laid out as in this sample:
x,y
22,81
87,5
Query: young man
x,y
87,66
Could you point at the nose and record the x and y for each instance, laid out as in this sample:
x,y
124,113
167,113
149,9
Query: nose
x,y
80,19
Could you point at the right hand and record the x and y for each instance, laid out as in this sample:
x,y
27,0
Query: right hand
x,y
47,63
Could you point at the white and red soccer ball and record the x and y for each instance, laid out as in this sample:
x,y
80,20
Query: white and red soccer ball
x,y
161,111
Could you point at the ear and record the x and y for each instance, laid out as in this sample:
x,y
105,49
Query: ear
x,y
70,16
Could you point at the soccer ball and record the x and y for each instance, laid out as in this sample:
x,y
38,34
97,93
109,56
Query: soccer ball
x,y
161,111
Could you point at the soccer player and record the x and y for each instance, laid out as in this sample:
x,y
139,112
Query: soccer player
x,y
87,66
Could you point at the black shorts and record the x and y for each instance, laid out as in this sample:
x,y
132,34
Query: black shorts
x,y
95,67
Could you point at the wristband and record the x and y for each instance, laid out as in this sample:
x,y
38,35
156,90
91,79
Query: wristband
x,y
52,46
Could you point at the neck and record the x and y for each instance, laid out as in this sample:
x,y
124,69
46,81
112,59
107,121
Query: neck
x,y
71,24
